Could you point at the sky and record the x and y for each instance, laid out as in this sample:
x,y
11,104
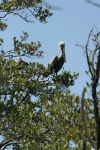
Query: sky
x,y
71,22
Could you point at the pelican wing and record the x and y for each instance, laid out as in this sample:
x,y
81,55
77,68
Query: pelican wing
x,y
52,62
17,60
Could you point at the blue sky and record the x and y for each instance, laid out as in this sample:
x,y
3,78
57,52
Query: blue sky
x,y
71,24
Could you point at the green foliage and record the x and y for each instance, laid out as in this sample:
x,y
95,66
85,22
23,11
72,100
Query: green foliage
x,y
36,123
1,41
23,49
53,119
3,26
65,79
15,7
50,122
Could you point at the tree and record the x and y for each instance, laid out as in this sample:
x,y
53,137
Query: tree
x,y
20,120
94,69
24,123
55,118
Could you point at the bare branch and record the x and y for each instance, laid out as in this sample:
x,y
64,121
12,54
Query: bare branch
x,y
5,15
87,52
10,140
84,47
21,17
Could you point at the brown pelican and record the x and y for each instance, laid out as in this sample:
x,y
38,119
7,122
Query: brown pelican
x,y
56,63
17,60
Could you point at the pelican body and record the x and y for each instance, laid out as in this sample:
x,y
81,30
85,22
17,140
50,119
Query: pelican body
x,y
56,63
17,60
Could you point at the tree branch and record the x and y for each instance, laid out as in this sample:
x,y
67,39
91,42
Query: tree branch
x,y
83,118
96,38
87,52
94,85
95,100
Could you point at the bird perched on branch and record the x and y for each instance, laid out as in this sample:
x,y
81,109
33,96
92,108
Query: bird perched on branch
x,y
17,60
56,63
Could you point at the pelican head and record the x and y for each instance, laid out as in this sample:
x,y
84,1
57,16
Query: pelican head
x,y
19,60
62,48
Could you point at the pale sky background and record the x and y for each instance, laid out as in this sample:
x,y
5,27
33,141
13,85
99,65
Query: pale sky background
x,y
71,24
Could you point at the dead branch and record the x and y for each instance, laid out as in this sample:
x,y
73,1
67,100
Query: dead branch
x,y
84,47
87,53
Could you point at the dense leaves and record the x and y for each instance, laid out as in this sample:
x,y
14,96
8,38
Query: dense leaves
x,y
34,124
36,112
51,121
24,9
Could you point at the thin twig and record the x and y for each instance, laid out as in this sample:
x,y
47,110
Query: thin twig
x,y
84,47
